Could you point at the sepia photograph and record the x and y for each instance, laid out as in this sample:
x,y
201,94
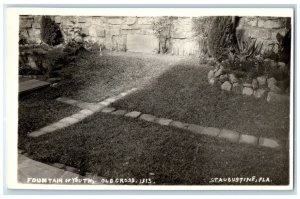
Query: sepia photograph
x,y
175,99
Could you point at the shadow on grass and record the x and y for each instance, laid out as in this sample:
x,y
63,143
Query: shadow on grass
x,y
183,93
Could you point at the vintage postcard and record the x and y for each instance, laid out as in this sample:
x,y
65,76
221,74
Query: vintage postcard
x,y
150,98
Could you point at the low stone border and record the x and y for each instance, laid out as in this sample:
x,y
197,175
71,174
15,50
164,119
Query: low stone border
x,y
225,134
91,108
87,110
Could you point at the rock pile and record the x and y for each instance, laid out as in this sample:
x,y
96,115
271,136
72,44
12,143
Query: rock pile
x,y
260,87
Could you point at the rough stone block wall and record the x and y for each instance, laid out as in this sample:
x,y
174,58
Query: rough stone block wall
x,y
264,29
136,33
30,28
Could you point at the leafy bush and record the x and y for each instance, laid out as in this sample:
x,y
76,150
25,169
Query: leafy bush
x,y
162,28
221,38
201,28
50,32
248,48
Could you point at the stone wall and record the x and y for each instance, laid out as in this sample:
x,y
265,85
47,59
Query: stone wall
x,y
136,34
264,29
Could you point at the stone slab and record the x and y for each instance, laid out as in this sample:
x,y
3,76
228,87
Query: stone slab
x,y
232,136
211,131
104,103
79,116
178,124
86,112
267,142
111,99
69,120
58,165
108,109
49,128
133,114
195,128
28,168
60,125
30,85
71,169
163,121
248,139
147,117
119,112
36,133
90,106
142,43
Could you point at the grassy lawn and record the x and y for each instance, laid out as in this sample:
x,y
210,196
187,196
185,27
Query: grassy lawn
x,y
38,109
171,87
115,147
183,93
92,78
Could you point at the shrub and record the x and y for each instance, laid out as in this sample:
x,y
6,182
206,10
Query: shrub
x,y
162,28
50,32
201,28
221,38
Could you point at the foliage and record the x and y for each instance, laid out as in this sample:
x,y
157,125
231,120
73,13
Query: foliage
x,y
22,40
248,48
162,28
201,27
50,32
221,38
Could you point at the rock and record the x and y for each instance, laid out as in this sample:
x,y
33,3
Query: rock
x,y
262,80
275,89
273,65
259,93
210,74
247,91
237,88
235,85
226,86
267,60
223,78
212,81
282,67
281,64
219,72
233,78
271,81
274,97
254,84
247,85
283,84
